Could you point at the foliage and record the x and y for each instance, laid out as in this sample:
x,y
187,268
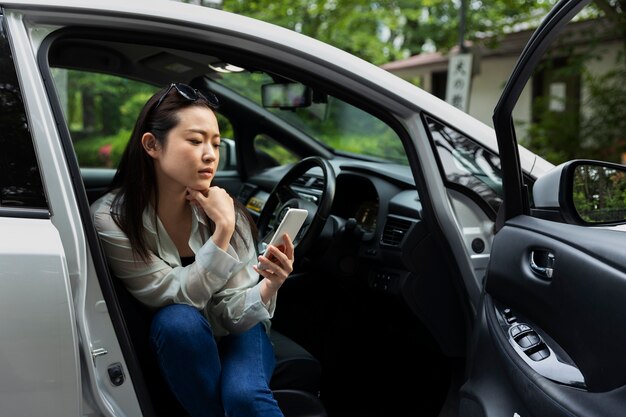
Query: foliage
x,y
101,151
378,31
101,103
101,112
346,128
598,132
600,194
592,125
605,127
276,154
352,25
436,22
555,135
331,121
385,30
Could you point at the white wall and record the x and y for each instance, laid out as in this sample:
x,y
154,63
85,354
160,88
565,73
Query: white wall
x,y
487,86
608,54
493,73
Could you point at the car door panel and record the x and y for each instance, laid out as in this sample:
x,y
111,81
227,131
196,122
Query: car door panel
x,y
576,313
582,300
547,339
39,360
501,383
96,181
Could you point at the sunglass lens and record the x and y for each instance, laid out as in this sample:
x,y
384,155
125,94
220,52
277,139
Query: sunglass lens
x,y
212,99
187,92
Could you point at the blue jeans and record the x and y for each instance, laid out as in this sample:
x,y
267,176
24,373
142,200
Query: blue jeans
x,y
230,377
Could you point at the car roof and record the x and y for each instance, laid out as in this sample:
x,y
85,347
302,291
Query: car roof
x,y
168,12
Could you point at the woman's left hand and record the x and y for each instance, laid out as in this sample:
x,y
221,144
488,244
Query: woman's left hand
x,y
276,267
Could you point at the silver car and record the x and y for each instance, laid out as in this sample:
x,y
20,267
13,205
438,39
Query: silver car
x,y
446,270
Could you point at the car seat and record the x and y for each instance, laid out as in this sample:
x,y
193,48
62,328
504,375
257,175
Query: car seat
x,y
295,382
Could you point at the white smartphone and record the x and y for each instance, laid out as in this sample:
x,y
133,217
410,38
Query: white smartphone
x,y
290,224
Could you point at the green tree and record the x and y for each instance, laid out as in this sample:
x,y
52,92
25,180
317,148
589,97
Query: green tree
x,y
595,128
605,128
380,31
599,194
435,23
95,104
352,25
102,110
385,30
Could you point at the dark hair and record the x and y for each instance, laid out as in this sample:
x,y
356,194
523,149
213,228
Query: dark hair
x,y
135,179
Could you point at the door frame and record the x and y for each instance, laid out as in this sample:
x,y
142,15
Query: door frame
x,y
516,200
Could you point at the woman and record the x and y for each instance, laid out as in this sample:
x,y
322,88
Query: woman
x,y
187,248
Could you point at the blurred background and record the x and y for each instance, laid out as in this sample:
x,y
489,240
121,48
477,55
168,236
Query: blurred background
x,y
568,107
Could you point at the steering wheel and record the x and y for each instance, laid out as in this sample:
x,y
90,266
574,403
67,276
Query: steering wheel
x,y
283,197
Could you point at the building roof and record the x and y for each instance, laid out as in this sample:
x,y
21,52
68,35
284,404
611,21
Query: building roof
x,y
510,44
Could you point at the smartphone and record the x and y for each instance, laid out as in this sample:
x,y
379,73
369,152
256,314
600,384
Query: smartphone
x,y
291,224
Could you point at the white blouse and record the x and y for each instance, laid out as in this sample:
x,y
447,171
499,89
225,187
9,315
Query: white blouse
x,y
220,283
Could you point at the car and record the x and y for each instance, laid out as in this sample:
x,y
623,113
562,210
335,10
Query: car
x,y
444,269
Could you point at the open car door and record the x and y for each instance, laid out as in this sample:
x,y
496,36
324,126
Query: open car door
x,y
549,337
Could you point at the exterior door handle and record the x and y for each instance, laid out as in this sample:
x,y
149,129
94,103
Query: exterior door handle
x,y
542,263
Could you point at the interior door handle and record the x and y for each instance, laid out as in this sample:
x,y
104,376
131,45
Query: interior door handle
x,y
542,263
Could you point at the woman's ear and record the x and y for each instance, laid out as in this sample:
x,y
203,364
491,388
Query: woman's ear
x,y
150,144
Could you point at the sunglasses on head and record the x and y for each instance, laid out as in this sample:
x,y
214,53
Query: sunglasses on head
x,y
189,93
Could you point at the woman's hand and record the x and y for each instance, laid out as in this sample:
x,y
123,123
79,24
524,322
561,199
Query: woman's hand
x,y
220,208
276,267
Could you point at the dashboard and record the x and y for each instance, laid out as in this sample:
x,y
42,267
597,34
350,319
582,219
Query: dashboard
x,y
366,215
375,219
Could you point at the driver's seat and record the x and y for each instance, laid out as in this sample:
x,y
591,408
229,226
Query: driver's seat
x,y
295,383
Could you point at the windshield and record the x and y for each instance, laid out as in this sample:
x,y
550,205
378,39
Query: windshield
x,y
333,122
467,164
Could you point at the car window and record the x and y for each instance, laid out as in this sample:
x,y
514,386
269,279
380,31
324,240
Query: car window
x,y
574,103
467,164
331,121
100,108
20,179
100,111
268,148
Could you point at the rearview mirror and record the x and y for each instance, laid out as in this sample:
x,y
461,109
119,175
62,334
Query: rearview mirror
x,y
584,192
286,95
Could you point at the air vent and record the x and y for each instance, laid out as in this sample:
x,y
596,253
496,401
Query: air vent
x,y
395,230
301,181
318,183
245,192
309,182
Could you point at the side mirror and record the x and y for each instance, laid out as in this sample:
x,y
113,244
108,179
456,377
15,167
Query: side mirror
x,y
228,156
583,192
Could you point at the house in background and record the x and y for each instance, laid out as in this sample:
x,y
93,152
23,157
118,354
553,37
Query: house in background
x,y
492,66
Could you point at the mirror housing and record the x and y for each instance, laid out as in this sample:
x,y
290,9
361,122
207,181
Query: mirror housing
x,y
582,192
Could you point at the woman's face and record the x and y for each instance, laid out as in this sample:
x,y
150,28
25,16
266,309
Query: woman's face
x,y
190,153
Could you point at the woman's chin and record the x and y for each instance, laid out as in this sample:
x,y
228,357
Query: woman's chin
x,y
201,186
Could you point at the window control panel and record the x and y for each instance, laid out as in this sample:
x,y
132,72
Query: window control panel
x,y
530,342
537,349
